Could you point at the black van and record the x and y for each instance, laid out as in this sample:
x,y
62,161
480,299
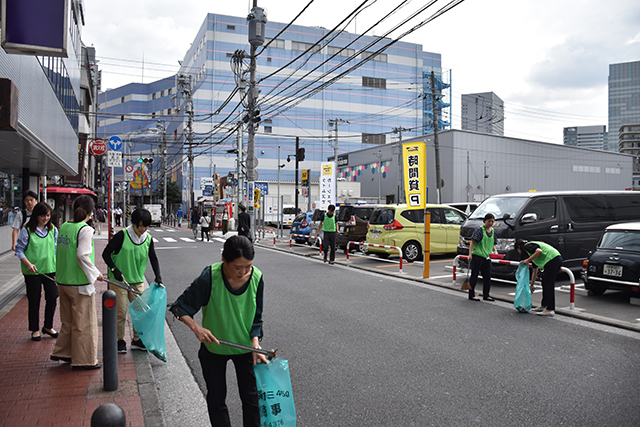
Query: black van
x,y
570,221
353,223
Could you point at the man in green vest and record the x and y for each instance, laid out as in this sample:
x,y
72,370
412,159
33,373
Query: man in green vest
x,y
328,227
482,245
126,256
546,257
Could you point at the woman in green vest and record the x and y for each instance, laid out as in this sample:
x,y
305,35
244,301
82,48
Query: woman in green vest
x,y
483,244
230,295
330,231
76,275
546,257
126,256
36,250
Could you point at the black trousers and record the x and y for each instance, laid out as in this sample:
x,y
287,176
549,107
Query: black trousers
x,y
214,370
204,231
329,243
551,270
480,265
34,292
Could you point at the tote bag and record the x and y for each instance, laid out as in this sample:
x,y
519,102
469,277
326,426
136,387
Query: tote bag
x,y
275,397
147,315
522,302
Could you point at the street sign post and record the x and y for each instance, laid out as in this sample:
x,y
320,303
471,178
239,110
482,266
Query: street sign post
x,y
115,143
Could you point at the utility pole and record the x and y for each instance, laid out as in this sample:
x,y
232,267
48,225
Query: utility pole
x,y
436,145
379,156
240,195
184,83
297,167
399,131
334,123
257,20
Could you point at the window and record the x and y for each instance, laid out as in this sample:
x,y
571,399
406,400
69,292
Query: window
x,y
275,43
268,59
122,99
332,50
453,217
153,115
161,94
231,27
301,46
169,91
382,216
268,129
122,118
372,56
153,96
229,55
544,209
374,138
374,82
587,209
169,112
625,207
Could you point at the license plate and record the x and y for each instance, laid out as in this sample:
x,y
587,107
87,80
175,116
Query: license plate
x,y
342,229
612,270
375,234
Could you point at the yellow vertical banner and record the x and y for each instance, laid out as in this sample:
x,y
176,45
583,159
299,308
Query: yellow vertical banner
x,y
414,157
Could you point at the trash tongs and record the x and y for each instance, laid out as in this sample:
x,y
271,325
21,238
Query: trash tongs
x,y
124,285
270,354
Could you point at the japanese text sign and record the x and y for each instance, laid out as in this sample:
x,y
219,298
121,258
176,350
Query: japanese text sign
x,y
414,160
327,185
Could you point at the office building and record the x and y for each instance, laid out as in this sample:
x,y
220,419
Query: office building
x,y
483,112
594,137
624,99
629,138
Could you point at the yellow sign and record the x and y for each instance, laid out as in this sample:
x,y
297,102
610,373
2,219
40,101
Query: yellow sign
x,y
414,157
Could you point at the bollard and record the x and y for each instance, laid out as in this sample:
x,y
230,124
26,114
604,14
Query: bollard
x,y
109,341
108,415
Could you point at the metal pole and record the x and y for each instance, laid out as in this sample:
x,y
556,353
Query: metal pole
x,y
436,145
296,180
110,340
278,200
240,195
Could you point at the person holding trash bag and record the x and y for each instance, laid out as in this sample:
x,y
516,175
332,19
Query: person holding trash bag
x,y
126,256
483,244
76,274
546,257
328,227
36,250
230,294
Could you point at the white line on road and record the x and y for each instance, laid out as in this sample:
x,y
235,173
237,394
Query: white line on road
x,y
186,239
170,239
218,239
155,240
175,247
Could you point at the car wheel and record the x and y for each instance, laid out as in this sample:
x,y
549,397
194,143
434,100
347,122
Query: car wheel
x,y
594,291
411,251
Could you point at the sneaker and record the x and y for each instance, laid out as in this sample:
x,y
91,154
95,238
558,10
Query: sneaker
x,y
549,313
122,346
539,309
137,345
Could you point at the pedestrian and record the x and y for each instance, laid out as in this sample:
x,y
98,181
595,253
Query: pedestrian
x,y
76,275
225,221
546,257
22,216
232,286
244,223
126,256
195,220
483,244
328,227
118,213
205,222
36,250
100,219
179,213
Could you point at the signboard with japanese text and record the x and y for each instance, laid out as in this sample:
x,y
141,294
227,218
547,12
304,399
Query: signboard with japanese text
x,y
327,185
250,201
304,174
114,159
414,160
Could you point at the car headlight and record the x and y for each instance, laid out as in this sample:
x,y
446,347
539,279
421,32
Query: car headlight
x,y
505,245
462,242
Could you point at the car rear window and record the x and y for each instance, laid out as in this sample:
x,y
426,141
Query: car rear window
x,y
289,211
382,216
362,212
318,214
300,218
621,240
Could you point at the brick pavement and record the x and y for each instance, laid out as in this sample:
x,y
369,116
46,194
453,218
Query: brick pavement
x,y
35,391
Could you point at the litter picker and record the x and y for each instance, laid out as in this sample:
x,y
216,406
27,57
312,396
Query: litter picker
x,y
270,354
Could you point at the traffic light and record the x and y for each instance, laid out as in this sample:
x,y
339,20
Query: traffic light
x,y
256,198
117,187
300,154
145,160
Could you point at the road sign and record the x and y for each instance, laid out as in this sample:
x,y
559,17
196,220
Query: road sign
x,y
115,143
128,172
206,192
98,147
114,159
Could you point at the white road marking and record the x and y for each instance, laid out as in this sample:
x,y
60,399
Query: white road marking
x,y
170,239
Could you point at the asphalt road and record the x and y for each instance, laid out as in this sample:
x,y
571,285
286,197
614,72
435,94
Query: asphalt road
x,y
366,349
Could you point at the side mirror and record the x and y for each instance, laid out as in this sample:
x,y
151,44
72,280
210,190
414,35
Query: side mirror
x,y
506,216
529,218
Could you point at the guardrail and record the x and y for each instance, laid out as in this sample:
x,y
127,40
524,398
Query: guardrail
x,y
305,236
572,279
256,235
375,246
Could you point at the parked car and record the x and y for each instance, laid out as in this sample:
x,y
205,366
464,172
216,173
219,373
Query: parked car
x,y
570,221
317,216
615,263
466,207
395,225
353,222
301,226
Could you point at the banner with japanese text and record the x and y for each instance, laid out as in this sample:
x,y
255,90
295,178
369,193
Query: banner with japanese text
x,y
414,158
327,185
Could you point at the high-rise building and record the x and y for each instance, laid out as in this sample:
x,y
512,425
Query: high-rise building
x,y
311,82
629,138
624,99
594,137
483,112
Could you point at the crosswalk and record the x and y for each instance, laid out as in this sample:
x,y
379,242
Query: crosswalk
x,y
162,238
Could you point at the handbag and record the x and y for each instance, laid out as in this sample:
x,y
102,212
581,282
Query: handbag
x,y
275,396
147,315
522,301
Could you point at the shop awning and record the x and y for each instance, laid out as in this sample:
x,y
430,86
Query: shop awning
x,y
70,190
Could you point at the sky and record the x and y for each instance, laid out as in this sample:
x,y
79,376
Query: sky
x,y
548,60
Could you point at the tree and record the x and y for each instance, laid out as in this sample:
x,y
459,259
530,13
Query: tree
x,y
174,195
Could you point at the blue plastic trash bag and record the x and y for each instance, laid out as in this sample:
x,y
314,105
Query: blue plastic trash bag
x,y
275,397
522,302
147,315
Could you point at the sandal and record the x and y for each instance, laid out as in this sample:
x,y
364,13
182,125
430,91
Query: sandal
x,y
488,298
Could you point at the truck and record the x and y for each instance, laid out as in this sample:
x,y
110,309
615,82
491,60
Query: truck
x,y
156,214
271,213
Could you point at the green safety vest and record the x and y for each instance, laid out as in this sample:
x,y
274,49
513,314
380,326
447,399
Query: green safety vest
x,y
548,253
230,317
40,251
329,223
68,271
485,246
132,259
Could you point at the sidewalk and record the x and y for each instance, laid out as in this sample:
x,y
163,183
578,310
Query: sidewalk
x,y
35,391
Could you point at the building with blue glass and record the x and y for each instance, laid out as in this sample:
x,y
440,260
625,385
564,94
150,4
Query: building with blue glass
x,y
317,85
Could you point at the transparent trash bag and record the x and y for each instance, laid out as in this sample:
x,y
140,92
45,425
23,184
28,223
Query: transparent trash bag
x,y
147,315
522,301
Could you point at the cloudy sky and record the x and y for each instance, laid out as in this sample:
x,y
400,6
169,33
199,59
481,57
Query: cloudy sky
x,y
548,60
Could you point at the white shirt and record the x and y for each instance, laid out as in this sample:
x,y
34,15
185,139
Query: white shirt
x,y
134,237
84,253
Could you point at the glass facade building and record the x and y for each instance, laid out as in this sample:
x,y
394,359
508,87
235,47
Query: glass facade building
x,y
624,99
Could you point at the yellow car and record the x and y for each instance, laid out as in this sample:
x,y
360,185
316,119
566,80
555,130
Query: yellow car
x,y
395,225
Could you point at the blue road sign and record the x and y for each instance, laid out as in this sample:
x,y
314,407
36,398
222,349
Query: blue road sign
x,y
206,192
115,143
262,186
